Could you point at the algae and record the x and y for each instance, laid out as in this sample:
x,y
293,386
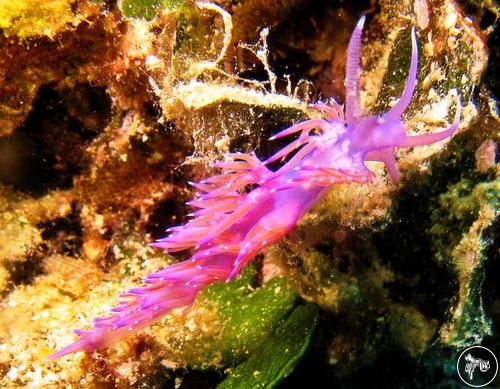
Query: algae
x,y
147,9
278,356
249,315
27,18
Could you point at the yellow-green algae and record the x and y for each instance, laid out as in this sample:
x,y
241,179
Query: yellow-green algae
x,y
20,218
32,56
30,18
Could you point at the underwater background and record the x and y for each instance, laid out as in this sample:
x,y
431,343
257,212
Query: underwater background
x,y
109,108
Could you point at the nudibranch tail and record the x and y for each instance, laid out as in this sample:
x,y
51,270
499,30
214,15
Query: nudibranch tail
x,y
172,287
229,229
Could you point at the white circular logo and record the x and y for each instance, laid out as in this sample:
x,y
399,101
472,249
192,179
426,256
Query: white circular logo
x,y
477,366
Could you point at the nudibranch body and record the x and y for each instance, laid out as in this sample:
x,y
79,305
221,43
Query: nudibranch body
x,y
233,224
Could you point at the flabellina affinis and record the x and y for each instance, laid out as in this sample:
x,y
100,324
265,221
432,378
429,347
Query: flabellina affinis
x,y
231,225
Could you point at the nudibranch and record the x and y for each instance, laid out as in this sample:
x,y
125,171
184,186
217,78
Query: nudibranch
x,y
232,224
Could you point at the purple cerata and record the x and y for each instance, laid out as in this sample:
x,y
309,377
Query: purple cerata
x,y
232,225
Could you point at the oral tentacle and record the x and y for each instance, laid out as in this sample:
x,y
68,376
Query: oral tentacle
x,y
433,137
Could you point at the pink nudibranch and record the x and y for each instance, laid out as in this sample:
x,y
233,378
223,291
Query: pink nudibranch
x,y
232,225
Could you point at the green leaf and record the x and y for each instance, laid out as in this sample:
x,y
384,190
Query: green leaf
x,y
278,355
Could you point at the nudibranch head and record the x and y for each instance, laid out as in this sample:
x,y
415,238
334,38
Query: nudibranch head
x,y
376,137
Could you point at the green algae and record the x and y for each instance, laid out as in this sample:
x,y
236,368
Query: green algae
x,y
279,353
147,9
248,315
